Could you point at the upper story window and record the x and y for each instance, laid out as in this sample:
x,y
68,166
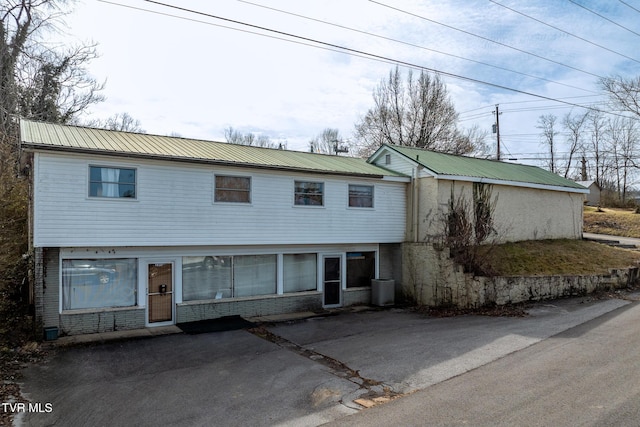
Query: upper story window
x,y
233,189
360,196
308,193
112,182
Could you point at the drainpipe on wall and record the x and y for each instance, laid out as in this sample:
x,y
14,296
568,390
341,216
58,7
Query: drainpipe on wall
x,y
415,202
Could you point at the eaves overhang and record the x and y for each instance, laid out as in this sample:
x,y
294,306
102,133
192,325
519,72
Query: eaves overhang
x,y
512,183
35,147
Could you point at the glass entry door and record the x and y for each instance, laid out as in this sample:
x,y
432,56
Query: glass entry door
x,y
160,292
332,280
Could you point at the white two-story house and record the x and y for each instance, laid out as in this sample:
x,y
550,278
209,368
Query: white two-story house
x,y
134,230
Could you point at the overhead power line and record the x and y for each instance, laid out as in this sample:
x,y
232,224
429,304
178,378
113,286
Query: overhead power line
x,y
565,32
604,17
369,34
628,5
361,53
485,38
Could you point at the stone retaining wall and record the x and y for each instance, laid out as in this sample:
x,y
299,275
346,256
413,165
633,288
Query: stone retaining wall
x,y
430,277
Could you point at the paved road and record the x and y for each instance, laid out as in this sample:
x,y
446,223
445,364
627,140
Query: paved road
x,y
623,240
586,376
308,372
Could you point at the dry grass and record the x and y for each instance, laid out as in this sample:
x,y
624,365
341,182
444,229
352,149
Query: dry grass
x,y
550,257
617,222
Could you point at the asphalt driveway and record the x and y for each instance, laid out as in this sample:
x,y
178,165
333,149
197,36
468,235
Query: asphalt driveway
x,y
296,373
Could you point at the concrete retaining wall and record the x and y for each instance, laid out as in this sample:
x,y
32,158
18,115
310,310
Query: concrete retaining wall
x,y
430,277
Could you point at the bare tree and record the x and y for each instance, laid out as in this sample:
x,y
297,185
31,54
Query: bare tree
x,y
417,112
470,140
233,136
623,134
598,145
328,142
624,93
575,126
120,121
40,82
36,81
547,124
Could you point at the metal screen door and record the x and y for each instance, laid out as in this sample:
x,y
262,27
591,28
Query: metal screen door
x,y
332,280
160,292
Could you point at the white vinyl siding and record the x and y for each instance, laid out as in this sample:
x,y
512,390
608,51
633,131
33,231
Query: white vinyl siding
x,y
395,162
174,206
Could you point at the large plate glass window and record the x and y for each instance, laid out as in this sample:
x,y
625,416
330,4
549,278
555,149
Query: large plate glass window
x,y
217,277
360,196
308,193
233,189
300,272
112,182
254,275
206,277
95,283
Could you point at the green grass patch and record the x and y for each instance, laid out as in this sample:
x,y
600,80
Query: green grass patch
x,y
615,222
550,257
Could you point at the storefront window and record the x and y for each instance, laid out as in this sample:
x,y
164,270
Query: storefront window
x,y
94,283
254,275
206,277
216,277
361,268
300,272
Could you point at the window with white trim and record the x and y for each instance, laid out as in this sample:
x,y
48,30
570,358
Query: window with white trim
x,y
300,272
232,189
307,193
361,268
217,277
97,283
360,196
112,182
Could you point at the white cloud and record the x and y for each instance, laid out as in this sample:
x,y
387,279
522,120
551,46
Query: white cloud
x,y
196,79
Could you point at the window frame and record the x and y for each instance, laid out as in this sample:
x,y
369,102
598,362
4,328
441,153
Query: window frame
x,y
236,272
249,191
120,168
349,196
297,195
95,269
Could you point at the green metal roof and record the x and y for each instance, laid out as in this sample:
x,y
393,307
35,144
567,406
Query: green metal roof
x,y
48,136
449,165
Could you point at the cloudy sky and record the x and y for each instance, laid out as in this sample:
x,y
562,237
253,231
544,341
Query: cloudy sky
x,y
195,74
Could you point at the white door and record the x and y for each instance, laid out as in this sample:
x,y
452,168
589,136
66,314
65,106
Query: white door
x,y
332,281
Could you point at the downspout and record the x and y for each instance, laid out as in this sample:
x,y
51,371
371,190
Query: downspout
x,y
415,201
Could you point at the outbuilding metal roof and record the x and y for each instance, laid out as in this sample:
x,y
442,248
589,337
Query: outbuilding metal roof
x,y
55,137
449,166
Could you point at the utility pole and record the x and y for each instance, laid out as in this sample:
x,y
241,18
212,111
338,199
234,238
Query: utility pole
x,y
496,130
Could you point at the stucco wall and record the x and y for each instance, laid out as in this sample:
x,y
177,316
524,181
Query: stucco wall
x,y
431,278
520,213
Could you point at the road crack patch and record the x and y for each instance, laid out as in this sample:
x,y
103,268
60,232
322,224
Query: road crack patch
x,y
373,392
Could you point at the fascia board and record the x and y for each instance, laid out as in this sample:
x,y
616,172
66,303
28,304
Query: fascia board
x,y
512,183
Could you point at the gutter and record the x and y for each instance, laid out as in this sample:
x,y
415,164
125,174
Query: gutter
x,y
30,147
514,183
